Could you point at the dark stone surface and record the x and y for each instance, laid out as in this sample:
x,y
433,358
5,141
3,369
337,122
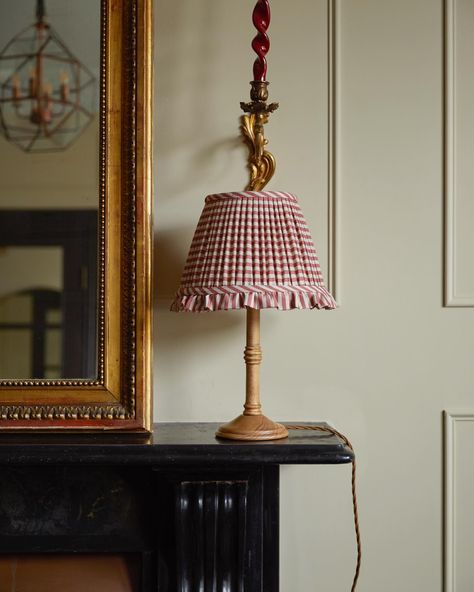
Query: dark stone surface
x,y
74,508
202,513
169,444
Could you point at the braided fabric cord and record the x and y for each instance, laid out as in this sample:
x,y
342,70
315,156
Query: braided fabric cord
x,y
353,485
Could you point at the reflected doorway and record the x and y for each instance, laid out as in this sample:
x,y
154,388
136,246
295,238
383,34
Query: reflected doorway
x,y
48,294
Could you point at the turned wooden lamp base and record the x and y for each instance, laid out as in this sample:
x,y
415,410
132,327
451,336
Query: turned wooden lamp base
x,y
252,425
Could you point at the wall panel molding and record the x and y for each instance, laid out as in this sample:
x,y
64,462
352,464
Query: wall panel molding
x,y
452,296
334,281
451,487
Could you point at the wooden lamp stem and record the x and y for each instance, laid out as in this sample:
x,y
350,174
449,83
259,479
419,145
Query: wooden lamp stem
x,y
253,360
252,425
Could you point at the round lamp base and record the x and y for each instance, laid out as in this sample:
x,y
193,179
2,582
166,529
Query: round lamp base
x,y
253,428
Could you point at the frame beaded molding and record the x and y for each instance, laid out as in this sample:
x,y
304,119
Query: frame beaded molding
x,y
129,219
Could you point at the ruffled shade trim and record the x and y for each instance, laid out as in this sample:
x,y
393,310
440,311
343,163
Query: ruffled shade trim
x,y
258,297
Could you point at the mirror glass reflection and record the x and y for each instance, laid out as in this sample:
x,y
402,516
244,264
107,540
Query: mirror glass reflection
x,y
49,188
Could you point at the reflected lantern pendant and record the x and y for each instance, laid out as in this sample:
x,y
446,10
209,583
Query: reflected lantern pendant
x,y
46,94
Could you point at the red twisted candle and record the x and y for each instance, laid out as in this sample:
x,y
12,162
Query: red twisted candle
x,y
261,42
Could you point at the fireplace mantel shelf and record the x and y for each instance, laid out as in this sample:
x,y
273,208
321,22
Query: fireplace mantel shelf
x,y
202,513
171,444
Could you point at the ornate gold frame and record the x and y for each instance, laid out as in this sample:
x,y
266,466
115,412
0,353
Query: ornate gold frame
x,y
120,397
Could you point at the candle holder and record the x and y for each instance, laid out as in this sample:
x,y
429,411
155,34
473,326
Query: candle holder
x,y
261,163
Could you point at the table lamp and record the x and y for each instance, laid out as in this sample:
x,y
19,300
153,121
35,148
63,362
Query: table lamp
x,y
252,249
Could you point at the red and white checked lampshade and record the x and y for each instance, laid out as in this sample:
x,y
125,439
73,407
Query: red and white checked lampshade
x,y
252,250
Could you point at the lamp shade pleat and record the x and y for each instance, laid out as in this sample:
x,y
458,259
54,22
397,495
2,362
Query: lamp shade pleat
x,y
252,249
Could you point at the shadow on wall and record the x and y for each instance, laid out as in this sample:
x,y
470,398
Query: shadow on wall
x,y
168,267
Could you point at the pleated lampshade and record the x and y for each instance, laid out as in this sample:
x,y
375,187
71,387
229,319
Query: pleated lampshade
x,y
252,250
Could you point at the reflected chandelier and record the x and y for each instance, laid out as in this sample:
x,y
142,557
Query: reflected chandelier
x,y
46,93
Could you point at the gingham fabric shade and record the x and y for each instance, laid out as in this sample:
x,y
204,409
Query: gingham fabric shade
x,y
252,249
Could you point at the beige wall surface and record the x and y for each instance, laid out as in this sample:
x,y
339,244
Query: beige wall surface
x,y
384,365
62,180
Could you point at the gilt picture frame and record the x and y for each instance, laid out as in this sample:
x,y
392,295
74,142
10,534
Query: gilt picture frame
x,y
119,397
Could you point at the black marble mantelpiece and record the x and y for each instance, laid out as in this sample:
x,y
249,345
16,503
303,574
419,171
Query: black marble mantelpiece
x,y
171,444
202,513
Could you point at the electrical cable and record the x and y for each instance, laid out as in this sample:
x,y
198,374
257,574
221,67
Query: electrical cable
x,y
346,441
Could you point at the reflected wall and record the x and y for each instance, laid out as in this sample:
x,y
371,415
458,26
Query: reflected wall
x,y
49,188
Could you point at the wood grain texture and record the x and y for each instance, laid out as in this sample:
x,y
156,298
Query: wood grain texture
x,y
252,424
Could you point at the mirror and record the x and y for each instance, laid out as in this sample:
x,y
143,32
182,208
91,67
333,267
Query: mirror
x,y
48,255
75,214
49,188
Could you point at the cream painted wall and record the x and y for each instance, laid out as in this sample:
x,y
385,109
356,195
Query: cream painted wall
x,y
386,363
